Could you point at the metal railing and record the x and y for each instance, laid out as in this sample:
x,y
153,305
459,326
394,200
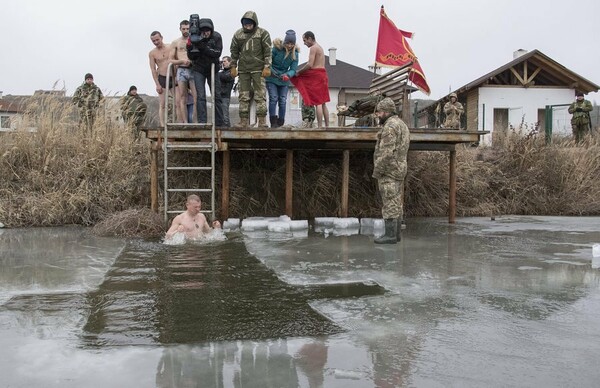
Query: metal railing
x,y
167,147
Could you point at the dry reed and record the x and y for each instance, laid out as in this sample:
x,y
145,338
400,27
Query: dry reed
x,y
131,223
60,175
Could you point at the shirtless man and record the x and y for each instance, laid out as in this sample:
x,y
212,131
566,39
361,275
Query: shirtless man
x,y
184,77
316,60
159,62
191,222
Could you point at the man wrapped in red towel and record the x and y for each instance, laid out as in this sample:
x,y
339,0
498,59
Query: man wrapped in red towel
x,y
311,80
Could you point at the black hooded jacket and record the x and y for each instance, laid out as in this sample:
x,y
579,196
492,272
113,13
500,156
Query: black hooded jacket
x,y
209,50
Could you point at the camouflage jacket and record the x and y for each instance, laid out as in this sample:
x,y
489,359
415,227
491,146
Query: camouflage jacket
x,y
251,51
132,106
453,110
582,117
87,96
391,149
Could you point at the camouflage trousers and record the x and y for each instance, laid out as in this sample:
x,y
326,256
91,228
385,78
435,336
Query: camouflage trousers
x,y
391,192
134,122
580,129
452,123
252,85
308,112
87,117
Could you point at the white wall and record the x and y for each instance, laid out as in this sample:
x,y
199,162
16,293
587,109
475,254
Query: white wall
x,y
523,104
13,120
294,111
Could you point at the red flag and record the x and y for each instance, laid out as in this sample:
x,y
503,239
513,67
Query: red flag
x,y
406,34
394,51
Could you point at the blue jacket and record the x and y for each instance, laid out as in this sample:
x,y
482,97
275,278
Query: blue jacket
x,y
281,65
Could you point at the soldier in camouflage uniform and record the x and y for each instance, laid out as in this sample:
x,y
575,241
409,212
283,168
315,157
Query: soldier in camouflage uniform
x,y
133,110
251,61
580,122
453,110
308,115
389,167
87,98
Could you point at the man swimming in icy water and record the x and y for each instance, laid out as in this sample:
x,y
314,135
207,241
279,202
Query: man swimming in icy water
x,y
191,222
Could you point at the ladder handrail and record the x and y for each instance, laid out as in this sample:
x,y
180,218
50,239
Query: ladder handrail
x,y
166,140
212,139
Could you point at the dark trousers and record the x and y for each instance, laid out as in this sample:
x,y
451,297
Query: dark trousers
x,y
200,80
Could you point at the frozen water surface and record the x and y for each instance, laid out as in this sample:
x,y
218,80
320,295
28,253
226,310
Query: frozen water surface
x,y
510,302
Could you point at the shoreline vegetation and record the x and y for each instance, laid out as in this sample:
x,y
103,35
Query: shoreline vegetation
x,y
59,174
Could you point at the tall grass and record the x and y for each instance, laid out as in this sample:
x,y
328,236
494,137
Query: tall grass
x,y
61,174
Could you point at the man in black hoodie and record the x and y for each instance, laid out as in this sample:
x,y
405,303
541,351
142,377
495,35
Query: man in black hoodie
x,y
203,55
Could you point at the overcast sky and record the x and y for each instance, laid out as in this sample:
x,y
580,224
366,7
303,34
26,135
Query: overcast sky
x,y
52,44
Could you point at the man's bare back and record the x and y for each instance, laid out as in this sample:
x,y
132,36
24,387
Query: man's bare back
x,y
318,57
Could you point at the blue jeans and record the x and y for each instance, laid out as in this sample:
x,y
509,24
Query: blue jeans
x,y
226,120
277,97
199,81
190,113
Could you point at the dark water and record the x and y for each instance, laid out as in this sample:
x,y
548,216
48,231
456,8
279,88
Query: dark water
x,y
204,292
513,302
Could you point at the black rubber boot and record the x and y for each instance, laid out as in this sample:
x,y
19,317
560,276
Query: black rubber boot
x,y
273,120
391,232
401,225
280,122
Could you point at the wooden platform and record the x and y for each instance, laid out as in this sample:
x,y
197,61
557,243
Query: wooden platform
x,y
345,139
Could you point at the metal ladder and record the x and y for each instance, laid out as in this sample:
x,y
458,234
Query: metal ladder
x,y
211,147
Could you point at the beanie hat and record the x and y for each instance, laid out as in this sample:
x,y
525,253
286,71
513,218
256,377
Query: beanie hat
x,y
577,94
290,37
247,21
88,75
132,87
386,105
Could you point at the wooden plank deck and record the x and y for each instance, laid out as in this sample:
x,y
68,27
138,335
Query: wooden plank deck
x,y
342,138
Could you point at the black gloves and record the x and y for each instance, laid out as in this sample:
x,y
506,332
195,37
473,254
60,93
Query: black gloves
x,y
578,110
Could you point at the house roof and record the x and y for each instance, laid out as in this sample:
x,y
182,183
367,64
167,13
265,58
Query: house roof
x,y
345,75
13,104
551,73
533,68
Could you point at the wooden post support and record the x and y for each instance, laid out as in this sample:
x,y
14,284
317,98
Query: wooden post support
x,y
405,106
225,185
345,182
154,177
289,183
452,189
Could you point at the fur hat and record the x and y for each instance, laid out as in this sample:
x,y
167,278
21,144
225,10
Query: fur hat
x,y
386,105
290,37
88,75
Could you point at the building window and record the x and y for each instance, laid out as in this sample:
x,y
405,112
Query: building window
x,y
5,122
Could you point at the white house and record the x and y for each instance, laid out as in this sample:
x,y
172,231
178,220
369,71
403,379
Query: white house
x,y
516,96
11,110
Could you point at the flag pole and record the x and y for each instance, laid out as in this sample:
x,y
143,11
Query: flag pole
x,y
375,63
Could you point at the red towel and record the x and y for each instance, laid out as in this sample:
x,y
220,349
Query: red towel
x,y
313,86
